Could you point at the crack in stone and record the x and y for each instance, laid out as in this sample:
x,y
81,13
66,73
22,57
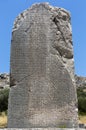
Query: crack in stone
x,y
28,28
14,82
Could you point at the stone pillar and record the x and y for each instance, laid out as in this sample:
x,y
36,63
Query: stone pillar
x,y
43,91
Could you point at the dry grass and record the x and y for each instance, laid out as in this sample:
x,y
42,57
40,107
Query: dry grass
x,y
84,90
3,120
82,119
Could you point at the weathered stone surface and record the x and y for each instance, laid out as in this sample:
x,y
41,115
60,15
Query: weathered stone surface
x,y
43,92
5,83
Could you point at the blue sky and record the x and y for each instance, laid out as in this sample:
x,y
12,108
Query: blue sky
x,y
9,9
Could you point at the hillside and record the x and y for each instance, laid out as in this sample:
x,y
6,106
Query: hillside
x,y
4,80
80,81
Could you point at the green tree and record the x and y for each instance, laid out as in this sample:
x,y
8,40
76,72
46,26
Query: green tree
x,y
4,94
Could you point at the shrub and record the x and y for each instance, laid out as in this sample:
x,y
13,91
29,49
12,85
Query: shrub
x,y
82,104
4,94
81,101
81,93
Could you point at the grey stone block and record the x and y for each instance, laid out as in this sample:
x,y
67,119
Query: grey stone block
x,y
43,91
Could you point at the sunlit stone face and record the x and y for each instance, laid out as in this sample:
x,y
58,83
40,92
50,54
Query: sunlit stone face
x,y
42,83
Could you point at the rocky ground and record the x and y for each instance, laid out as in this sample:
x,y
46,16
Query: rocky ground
x,y
4,80
80,81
